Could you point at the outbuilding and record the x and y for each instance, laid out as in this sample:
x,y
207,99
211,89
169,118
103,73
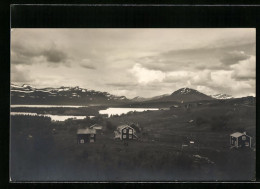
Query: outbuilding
x,y
238,140
86,135
125,132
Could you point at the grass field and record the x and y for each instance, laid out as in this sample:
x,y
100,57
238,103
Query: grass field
x,y
42,150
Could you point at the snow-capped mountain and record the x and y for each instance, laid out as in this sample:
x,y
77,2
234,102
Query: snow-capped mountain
x,y
27,94
221,96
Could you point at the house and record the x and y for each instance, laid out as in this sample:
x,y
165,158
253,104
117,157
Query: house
x,y
238,139
125,132
86,136
97,127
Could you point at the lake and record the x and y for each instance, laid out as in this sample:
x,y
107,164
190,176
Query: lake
x,y
120,111
53,117
109,111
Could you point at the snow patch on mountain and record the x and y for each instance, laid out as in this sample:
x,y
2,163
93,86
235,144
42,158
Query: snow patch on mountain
x,y
221,96
63,93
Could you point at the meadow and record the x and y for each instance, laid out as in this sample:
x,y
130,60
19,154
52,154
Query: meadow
x,y
42,150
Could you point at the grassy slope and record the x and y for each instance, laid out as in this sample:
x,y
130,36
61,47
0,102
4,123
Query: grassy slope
x,y
157,155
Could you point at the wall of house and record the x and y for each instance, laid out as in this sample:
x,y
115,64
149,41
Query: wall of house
x,y
85,137
242,142
127,133
232,140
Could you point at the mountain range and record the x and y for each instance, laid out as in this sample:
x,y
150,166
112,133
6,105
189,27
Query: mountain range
x,y
27,94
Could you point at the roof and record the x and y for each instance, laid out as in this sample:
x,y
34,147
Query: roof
x,y
238,134
123,126
96,126
86,131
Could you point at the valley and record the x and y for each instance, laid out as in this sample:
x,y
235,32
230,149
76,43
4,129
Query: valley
x,y
185,139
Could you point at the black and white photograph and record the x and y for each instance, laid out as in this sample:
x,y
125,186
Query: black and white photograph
x,y
132,104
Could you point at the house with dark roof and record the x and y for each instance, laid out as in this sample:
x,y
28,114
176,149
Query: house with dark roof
x,y
125,132
238,140
86,136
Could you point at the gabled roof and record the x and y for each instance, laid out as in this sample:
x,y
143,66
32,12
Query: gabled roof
x,y
238,134
96,126
123,126
86,131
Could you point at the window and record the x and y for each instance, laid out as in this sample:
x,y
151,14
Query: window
x,y
243,137
130,136
124,130
91,140
124,136
130,131
81,141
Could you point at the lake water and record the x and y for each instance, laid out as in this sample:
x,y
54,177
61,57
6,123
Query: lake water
x,y
120,111
109,111
53,117
45,106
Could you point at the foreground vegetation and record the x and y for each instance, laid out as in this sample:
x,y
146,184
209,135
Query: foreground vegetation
x,y
42,150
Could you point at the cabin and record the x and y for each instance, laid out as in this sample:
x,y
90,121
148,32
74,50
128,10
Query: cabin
x,y
96,127
239,140
86,136
125,132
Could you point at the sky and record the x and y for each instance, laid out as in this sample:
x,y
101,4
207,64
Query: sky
x,y
137,62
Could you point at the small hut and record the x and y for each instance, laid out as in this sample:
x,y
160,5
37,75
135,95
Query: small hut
x,y
238,140
86,136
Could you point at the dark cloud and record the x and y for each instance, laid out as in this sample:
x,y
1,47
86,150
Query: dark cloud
x,y
26,54
243,78
54,55
208,57
234,57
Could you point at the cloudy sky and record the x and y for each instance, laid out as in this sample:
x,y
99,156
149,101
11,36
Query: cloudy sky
x,y
136,62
